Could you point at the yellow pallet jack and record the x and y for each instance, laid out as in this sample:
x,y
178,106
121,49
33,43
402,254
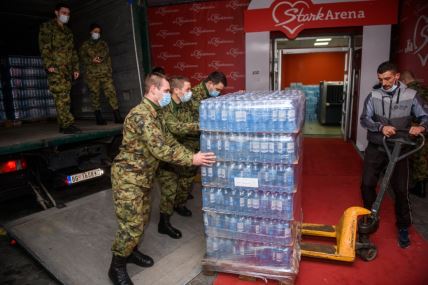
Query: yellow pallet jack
x,y
352,234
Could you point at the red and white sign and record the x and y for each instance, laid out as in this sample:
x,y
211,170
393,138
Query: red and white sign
x,y
291,17
413,39
197,38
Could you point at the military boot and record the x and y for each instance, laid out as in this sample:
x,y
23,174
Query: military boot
x,y
117,272
117,117
183,211
164,227
99,118
140,259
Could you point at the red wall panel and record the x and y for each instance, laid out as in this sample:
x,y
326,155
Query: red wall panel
x,y
311,68
412,53
195,39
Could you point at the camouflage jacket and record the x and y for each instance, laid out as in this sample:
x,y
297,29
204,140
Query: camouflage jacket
x,y
146,141
200,93
56,46
91,49
181,124
420,89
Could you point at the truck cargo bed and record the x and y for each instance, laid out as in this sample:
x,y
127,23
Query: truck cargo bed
x,y
32,136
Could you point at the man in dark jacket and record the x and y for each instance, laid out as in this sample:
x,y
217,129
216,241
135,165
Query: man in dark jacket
x,y
386,110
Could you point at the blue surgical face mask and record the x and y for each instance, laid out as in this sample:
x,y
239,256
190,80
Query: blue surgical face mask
x,y
214,93
166,99
186,97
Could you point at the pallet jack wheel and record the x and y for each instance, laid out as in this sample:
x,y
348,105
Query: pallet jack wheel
x,y
367,254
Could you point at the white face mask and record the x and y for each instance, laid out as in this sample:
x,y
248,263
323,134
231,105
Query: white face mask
x,y
186,97
63,18
392,89
95,36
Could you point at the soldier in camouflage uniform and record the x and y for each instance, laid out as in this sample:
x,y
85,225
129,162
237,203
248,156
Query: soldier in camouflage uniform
x,y
175,181
60,59
209,87
145,142
95,56
419,161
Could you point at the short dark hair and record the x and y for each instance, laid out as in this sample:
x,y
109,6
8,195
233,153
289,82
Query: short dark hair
x,y
217,77
153,79
93,26
62,5
158,69
387,66
177,81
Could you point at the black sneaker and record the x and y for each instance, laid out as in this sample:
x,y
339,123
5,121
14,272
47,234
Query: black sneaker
x,y
403,238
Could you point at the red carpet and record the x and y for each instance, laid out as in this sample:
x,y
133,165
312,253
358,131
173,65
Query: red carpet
x,y
331,178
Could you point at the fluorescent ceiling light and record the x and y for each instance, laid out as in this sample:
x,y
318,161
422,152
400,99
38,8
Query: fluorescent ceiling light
x,y
321,44
323,40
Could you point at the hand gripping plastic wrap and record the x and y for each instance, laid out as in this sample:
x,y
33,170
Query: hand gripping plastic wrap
x,y
251,196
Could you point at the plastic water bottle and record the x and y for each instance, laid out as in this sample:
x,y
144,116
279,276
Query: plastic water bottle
x,y
209,174
203,115
233,223
289,178
256,229
204,176
221,168
249,198
248,224
205,197
226,146
274,120
265,202
224,116
291,119
211,197
291,151
279,231
219,199
254,149
282,118
240,225
264,148
271,148
256,201
243,201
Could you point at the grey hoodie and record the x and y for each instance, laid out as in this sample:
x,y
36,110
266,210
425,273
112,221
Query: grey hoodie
x,y
397,109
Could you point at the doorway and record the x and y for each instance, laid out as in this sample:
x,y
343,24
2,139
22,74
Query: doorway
x,y
320,67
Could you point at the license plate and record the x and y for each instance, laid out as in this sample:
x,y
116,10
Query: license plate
x,y
79,177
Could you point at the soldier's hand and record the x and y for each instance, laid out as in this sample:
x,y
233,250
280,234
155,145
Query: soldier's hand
x,y
51,69
204,158
76,75
388,131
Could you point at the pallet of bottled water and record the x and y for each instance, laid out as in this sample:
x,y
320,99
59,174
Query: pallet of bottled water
x,y
251,197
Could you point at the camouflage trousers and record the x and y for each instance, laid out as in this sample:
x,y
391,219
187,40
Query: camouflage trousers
x,y
132,208
175,183
95,85
419,165
60,88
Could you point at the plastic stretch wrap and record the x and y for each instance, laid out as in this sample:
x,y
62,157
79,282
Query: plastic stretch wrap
x,y
251,196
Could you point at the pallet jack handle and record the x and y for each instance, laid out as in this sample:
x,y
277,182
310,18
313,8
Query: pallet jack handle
x,y
394,157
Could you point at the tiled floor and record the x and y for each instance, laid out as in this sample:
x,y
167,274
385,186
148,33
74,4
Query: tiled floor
x,y
315,128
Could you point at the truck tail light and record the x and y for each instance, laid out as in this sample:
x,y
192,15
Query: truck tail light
x,y
12,166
